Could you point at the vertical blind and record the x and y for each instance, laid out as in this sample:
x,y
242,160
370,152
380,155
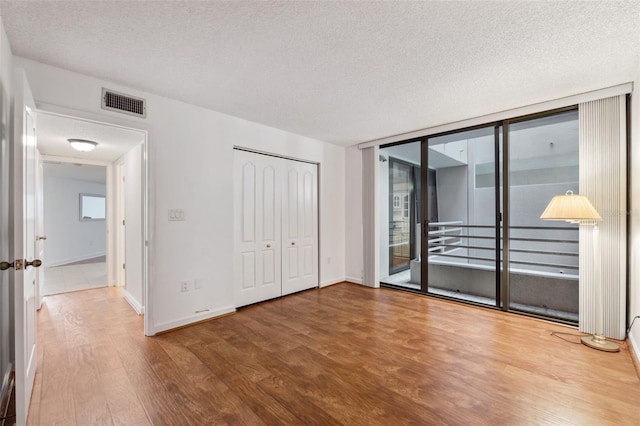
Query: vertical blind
x,y
370,233
603,179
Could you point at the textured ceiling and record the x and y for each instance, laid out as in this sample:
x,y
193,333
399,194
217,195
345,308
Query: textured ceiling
x,y
342,72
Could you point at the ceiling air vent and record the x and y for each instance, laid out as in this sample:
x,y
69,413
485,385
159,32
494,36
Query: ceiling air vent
x,y
120,102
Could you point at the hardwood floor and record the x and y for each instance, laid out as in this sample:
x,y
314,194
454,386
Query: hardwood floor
x,y
345,354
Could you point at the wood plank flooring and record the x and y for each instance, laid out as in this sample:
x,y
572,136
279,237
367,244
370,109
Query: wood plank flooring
x,y
344,354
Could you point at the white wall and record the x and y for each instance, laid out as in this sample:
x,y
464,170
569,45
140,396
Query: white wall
x,y
133,228
190,152
68,238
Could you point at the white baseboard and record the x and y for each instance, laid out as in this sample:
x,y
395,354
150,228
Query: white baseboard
x,y
134,303
376,285
360,281
193,318
635,348
61,262
331,282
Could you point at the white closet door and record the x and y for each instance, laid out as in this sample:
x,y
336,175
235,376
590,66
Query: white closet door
x,y
299,227
257,233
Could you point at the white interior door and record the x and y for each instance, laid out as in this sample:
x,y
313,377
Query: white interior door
x,y
299,227
7,355
24,244
257,236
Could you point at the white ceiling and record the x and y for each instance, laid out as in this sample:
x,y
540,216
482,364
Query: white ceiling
x,y
342,72
113,142
83,172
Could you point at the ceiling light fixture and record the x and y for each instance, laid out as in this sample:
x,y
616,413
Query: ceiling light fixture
x,y
82,145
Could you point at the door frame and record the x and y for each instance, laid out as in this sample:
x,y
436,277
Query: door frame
x,y
119,122
119,224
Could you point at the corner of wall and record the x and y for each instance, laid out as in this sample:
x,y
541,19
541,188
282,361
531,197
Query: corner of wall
x,y
327,283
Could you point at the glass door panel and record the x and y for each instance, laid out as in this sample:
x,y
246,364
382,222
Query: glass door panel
x,y
400,215
543,255
461,240
399,198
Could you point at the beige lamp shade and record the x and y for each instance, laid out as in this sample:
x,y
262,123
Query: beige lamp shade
x,y
570,207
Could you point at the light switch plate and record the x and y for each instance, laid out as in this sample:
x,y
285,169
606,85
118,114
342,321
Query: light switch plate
x,y
176,215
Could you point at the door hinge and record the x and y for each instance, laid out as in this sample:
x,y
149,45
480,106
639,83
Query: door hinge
x,y
123,266
123,222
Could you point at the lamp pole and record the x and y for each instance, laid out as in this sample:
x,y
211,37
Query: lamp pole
x,y
597,340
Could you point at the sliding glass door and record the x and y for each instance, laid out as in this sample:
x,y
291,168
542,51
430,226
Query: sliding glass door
x,y
459,215
399,210
401,215
543,255
461,245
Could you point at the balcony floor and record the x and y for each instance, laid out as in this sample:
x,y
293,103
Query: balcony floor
x,y
403,279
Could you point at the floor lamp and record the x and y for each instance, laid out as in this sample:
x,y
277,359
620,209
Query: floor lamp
x,y
577,209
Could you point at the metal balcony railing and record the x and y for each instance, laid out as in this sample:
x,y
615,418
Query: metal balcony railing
x,y
533,246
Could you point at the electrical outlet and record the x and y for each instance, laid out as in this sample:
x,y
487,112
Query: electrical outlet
x,y
197,284
184,286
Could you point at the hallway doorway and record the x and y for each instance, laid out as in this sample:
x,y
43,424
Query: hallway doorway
x,y
82,209
74,209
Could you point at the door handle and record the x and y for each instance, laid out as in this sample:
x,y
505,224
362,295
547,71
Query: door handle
x,y
36,263
43,237
6,265
293,243
18,264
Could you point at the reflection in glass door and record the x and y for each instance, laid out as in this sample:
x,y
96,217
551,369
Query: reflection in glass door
x,y
461,245
401,215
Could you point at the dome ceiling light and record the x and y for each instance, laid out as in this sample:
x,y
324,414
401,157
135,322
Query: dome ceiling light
x,y
82,145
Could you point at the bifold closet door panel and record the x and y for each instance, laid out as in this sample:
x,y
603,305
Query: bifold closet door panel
x,y
299,227
257,227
